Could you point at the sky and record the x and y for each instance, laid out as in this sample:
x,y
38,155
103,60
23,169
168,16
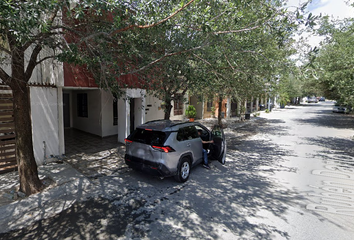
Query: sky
x,y
337,9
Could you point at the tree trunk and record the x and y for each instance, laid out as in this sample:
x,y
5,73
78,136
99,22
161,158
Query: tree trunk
x,y
219,111
168,109
27,166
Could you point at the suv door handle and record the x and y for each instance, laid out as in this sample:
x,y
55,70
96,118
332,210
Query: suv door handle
x,y
188,144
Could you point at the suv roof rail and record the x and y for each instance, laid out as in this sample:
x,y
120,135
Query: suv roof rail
x,y
168,123
158,120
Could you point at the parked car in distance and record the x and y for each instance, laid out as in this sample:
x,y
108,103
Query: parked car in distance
x,y
340,109
322,99
171,148
312,100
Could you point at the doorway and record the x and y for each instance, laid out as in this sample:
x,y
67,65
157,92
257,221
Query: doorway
x,y
66,110
132,114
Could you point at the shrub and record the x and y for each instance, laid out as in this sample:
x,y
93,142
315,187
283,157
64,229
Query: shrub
x,y
191,112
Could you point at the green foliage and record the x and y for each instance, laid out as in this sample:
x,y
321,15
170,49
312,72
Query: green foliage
x,y
232,48
242,109
284,98
332,65
213,109
191,112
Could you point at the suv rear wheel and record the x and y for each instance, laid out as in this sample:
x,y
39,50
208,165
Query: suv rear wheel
x,y
183,170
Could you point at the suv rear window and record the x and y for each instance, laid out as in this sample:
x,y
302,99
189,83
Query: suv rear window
x,y
148,137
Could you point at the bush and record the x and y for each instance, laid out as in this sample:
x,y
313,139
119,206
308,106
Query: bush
x,y
191,112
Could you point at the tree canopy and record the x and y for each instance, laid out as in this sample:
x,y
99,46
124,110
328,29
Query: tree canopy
x,y
332,64
223,47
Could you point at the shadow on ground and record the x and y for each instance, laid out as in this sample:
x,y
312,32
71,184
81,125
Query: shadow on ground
x,y
338,151
229,201
325,118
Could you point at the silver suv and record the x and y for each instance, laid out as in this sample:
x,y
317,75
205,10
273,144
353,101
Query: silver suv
x,y
171,148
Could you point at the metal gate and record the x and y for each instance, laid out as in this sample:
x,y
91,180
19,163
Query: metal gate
x,y
7,131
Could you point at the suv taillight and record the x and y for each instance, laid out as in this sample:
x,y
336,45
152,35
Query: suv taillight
x,y
165,149
127,141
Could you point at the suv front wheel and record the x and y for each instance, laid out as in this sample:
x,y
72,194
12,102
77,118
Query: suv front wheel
x,y
183,170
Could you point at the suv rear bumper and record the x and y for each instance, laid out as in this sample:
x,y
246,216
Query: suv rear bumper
x,y
153,168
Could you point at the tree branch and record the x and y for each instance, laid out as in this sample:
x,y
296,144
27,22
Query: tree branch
x,y
237,31
32,62
46,58
154,24
163,57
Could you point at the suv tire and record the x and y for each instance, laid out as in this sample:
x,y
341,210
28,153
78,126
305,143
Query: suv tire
x,y
183,170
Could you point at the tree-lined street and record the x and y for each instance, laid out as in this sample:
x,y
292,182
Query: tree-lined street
x,y
289,175
212,49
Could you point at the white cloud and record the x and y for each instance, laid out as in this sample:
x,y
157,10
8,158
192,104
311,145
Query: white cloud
x,y
336,8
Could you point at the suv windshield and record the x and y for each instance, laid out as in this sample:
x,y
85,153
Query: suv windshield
x,y
148,137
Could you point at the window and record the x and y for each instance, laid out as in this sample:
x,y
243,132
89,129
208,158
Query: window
x,y
204,133
209,105
178,105
115,111
187,133
148,137
82,109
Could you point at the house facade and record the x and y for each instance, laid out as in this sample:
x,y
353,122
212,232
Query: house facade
x,y
65,96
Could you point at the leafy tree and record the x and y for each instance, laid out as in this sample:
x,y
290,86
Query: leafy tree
x,y
245,61
95,34
171,45
331,65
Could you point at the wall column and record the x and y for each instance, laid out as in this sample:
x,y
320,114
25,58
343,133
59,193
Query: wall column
x,y
239,108
251,105
228,108
123,119
61,121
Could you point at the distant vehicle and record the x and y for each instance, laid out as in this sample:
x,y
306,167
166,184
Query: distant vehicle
x,y
312,100
322,99
171,148
341,109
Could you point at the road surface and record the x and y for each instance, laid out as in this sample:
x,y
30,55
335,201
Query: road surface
x,y
288,175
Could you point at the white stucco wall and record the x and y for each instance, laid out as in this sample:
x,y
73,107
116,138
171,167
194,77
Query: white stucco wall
x,y
92,123
108,128
228,108
199,106
45,123
153,110
49,71
124,111
123,121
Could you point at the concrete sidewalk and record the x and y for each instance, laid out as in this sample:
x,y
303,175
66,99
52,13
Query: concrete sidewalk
x,y
67,186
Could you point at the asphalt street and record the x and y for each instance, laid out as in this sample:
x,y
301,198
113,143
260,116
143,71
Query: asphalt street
x,y
288,175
